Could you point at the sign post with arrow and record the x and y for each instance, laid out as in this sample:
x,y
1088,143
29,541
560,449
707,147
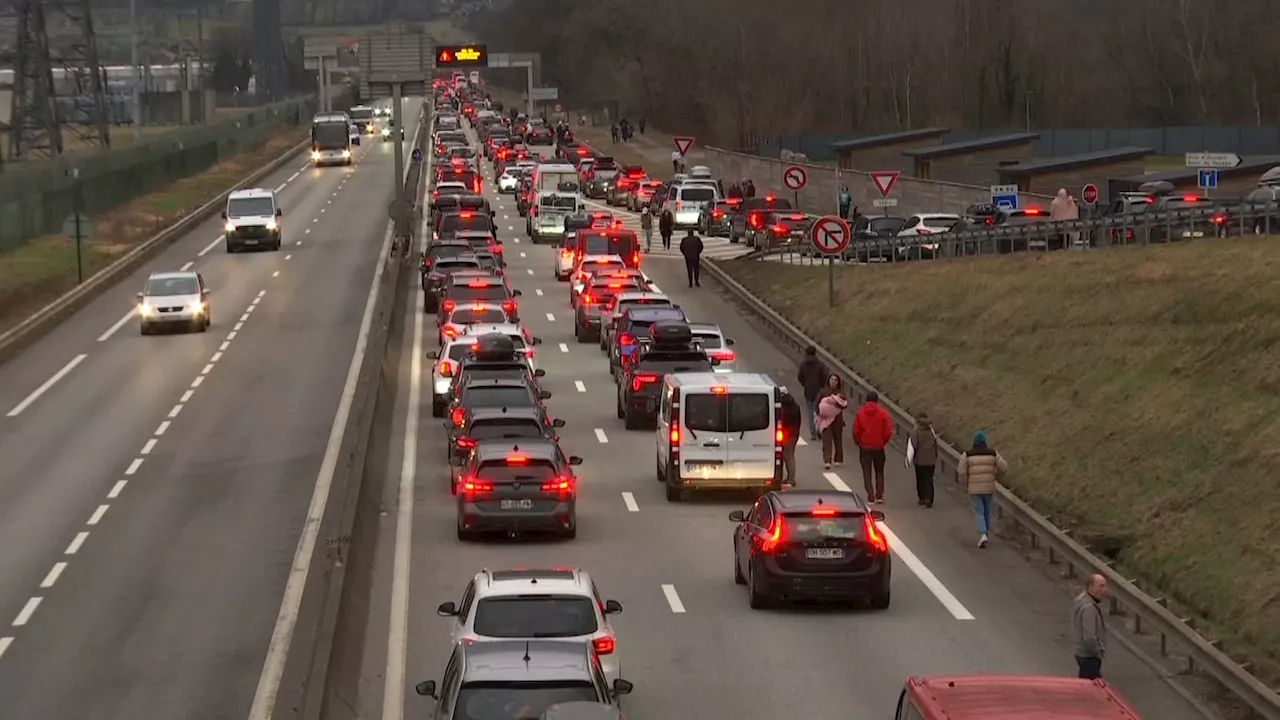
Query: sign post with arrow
x,y
795,178
1215,161
884,181
831,235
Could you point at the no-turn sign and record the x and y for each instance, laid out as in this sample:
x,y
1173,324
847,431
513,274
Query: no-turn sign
x,y
795,178
831,235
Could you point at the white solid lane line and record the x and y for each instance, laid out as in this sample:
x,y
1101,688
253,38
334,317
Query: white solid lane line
x,y
629,499
564,347
600,436
579,386
913,563
35,395
673,599
186,267
211,246
119,324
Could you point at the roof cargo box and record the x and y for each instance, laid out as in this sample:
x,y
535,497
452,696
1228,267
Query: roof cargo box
x,y
494,347
670,332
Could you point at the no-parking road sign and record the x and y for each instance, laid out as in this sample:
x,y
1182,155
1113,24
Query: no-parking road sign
x,y
795,178
831,235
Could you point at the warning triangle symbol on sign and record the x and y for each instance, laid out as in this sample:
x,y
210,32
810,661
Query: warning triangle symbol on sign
x,y
885,180
683,143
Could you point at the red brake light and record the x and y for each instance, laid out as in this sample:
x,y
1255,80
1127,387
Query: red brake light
x,y
1190,198
874,537
719,390
797,217
478,284
446,368
924,231
779,436
717,214
517,460
476,486
559,485
450,332
448,306
1033,211
675,436
770,542
615,286
734,201
509,307
625,340
780,229
466,443
458,417
1218,219
768,198
475,186
823,512
639,381
466,215
725,355
604,645
588,299
582,151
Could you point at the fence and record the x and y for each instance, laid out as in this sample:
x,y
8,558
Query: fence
x,y
36,197
1057,142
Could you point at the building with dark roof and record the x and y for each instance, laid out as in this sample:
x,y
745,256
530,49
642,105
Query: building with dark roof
x,y
884,152
1073,172
972,162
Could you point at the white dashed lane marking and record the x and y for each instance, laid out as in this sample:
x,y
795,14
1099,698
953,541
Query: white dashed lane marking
x,y
579,386
133,466
629,499
601,437
673,599
54,573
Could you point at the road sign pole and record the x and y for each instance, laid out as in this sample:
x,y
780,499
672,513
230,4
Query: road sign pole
x,y
77,204
831,282
397,119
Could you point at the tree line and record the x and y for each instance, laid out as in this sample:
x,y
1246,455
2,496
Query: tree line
x,y
726,69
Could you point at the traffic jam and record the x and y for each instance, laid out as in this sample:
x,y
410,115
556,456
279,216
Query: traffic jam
x,y
538,640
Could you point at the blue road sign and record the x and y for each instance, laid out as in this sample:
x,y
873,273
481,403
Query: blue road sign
x,y
1208,179
1005,196
417,155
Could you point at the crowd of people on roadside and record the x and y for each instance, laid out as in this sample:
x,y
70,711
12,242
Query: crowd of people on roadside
x,y
623,130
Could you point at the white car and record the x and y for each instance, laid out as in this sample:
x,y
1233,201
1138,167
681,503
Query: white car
x,y
591,264
520,338
464,315
509,180
564,256
922,224
560,604
448,359
716,345
174,299
252,220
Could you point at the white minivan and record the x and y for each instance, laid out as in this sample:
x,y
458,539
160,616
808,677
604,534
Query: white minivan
x,y
719,432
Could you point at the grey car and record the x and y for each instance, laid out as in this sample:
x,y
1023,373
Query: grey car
x,y
174,300
601,183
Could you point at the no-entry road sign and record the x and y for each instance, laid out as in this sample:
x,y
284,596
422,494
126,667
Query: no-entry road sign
x,y
1089,193
795,178
885,180
683,143
831,235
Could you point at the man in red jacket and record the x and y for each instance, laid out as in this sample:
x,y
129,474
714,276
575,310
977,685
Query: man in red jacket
x,y
872,431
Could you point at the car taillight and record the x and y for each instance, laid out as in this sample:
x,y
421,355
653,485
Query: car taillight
x,y
875,538
635,258
458,417
509,307
562,485
626,340
1218,219
466,443
753,220
475,186
450,332
566,254
604,645
773,537
588,299
448,306
446,369
716,214
639,381
924,231
476,486
725,355
679,204
779,229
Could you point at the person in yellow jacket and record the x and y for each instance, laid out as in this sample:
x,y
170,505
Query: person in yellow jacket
x,y
980,469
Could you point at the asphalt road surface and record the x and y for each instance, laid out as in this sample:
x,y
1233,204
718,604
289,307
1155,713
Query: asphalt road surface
x,y
686,637
152,489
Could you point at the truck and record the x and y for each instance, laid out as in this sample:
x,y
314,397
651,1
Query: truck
x,y
332,139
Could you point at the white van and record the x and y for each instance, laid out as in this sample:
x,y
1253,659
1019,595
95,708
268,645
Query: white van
x,y
719,432
691,200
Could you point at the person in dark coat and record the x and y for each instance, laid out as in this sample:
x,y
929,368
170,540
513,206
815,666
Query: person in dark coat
x,y
751,189
813,377
791,425
691,249
666,226
613,130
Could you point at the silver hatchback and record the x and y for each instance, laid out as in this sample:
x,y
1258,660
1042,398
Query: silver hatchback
x,y
174,299
716,345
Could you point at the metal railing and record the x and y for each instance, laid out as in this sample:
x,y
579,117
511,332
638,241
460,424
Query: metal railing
x,y
1150,615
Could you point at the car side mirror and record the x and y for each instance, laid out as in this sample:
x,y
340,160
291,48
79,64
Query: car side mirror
x,y
539,373
676,307
279,212
205,292
224,214
447,609
575,460
433,355
355,140
537,341
557,423
544,395
728,341
140,296
620,687
427,688
612,607
714,361
455,461
516,293
877,516
738,516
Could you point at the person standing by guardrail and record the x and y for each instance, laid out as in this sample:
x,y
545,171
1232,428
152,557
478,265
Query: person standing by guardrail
x,y
872,431
846,201
1089,628
922,455
813,377
979,470
691,248
831,405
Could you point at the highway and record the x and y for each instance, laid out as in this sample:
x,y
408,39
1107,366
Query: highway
x,y
153,489
687,638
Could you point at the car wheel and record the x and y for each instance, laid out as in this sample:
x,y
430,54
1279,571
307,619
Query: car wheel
x,y
578,334
279,242
622,414
572,531
437,408
880,602
230,248
737,571
465,535
674,494
144,328
756,599
630,421
202,326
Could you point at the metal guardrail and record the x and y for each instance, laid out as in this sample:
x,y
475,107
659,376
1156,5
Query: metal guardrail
x,y
1150,614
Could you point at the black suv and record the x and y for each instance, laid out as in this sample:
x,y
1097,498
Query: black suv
x,y
532,675
518,486
440,275
670,348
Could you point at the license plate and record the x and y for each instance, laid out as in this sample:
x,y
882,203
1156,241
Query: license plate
x,y
517,504
798,234
824,553
701,467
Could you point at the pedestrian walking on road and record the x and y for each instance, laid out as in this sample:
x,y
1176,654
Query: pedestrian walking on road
x,y
613,130
922,454
751,189
813,377
676,157
646,226
831,406
691,249
980,469
872,431
791,425
1089,628
666,226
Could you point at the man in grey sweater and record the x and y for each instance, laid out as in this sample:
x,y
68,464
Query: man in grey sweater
x,y
1089,628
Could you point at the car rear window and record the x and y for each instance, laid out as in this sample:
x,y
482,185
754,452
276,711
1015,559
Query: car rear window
x,y
709,342
538,471
595,266
535,616
939,222
450,265
466,221
492,396
472,316
457,351
697,194
641,302
886,224
729,412
804,527
605,244
664,363
562,202
497,700
462,294
505,428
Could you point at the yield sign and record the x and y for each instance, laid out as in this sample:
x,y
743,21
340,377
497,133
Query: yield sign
x,y
831,235
885,180
683,143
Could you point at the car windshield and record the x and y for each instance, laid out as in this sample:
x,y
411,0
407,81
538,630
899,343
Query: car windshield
x,y
473,316
517,700
165,287
535,616
250,207
728,413
697,194
505,429
361,113
807,528
461,152
564,202
331,133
